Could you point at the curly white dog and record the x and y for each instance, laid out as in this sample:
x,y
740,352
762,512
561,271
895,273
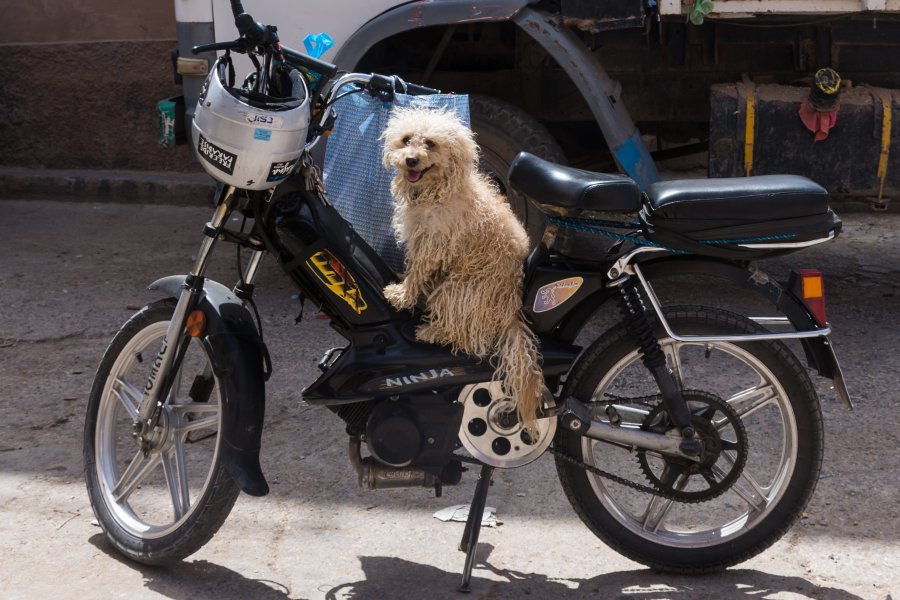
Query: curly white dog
x,y
465,250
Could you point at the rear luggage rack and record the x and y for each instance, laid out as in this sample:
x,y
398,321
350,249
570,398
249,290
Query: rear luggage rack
x,y
751,337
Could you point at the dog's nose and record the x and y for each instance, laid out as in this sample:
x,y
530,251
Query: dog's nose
x,y
412,162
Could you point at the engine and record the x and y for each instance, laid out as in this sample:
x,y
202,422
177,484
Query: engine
x,y
411,441
419,431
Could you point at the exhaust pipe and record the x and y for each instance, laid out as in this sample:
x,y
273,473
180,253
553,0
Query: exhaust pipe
x,y
374,475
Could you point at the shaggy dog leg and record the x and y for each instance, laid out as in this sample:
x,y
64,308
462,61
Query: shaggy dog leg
x,y
518,369
464,251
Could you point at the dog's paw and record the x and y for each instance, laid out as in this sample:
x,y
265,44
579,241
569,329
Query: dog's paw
x,y
397,296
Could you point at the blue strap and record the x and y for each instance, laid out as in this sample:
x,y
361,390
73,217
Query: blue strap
x,y
596,227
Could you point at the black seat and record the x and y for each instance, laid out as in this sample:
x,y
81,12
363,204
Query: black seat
x,y
569,190
741,217
738,199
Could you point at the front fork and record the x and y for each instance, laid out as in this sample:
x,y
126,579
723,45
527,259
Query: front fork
x,y
174,344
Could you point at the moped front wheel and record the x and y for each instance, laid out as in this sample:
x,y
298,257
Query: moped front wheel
x,y
760,423
160,504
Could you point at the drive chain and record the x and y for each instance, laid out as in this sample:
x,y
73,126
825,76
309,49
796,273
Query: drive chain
x,y
649,401
605,474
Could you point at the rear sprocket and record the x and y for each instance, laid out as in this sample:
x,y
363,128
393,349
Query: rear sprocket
x,y
722,458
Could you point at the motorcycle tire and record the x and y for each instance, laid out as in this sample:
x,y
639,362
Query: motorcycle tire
x,y
163,505
775,461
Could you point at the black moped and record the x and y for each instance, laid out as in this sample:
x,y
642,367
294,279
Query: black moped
x,y
689,438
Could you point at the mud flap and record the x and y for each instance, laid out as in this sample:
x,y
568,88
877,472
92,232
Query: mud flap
x,y
237,359
823,351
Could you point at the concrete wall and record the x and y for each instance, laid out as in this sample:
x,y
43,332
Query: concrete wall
x,y
80,82
54,21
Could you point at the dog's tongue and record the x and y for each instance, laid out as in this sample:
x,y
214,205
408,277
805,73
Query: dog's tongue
x,y
413,176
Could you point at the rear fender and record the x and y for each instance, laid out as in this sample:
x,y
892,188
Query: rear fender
x,y
236,352
819,352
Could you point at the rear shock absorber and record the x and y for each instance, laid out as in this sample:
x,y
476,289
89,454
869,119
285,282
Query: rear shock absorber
x,y
637,321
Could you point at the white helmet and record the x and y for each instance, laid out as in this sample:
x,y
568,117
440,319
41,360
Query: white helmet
x,y
245,138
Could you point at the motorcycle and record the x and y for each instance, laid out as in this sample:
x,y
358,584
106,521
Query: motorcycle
x,y
688,438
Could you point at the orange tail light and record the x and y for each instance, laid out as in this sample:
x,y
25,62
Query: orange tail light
x,y
808,285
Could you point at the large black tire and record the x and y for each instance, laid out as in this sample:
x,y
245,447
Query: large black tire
x,y
503,130
721,531
162,507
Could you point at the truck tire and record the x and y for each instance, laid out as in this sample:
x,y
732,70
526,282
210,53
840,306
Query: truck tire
x,y
503,130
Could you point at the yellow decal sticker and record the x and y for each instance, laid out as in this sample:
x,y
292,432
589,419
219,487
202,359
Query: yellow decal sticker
x,y
553,294
337,278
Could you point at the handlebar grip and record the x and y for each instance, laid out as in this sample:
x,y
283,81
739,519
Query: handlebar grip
x,y
392,83
215,47
420,90
325,69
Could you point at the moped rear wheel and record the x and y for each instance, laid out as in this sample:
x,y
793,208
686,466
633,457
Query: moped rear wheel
x,y
757,413
162,505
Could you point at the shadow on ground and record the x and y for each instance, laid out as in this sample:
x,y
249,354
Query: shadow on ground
x,y
197,580
388,577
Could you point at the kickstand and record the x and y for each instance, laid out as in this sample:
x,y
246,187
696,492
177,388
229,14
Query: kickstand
x,y
469,541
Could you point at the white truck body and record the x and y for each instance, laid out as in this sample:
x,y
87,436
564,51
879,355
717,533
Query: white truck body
x,y
605,83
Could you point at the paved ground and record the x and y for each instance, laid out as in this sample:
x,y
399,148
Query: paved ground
x,y
72,273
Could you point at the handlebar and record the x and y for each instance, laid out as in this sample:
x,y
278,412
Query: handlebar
x,y
392,84
292,57
326,69
255,35
263,39
235,45
372,83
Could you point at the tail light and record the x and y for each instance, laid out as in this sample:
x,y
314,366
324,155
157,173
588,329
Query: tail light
x,y
807,284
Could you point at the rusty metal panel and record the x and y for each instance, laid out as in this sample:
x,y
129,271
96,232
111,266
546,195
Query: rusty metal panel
x,y
847,162
734,8
596,15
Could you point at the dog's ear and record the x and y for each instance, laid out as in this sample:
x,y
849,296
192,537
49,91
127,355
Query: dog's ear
x,y
464,149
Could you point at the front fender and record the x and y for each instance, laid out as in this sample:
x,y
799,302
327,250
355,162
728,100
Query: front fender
x,y
236,352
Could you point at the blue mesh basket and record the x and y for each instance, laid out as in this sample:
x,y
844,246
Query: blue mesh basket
x,y
358,184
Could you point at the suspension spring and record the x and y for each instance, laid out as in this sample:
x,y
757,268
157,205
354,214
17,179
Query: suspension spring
x,y
639,325
637,321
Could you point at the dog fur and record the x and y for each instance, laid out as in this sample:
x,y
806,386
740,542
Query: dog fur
x,y
465,250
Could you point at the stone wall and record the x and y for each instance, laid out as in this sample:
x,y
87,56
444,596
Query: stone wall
x,y
80,82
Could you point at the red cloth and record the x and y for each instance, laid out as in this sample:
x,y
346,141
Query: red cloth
x,y
817,122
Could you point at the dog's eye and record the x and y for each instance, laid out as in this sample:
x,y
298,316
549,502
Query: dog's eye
x,y
430,144
406,141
